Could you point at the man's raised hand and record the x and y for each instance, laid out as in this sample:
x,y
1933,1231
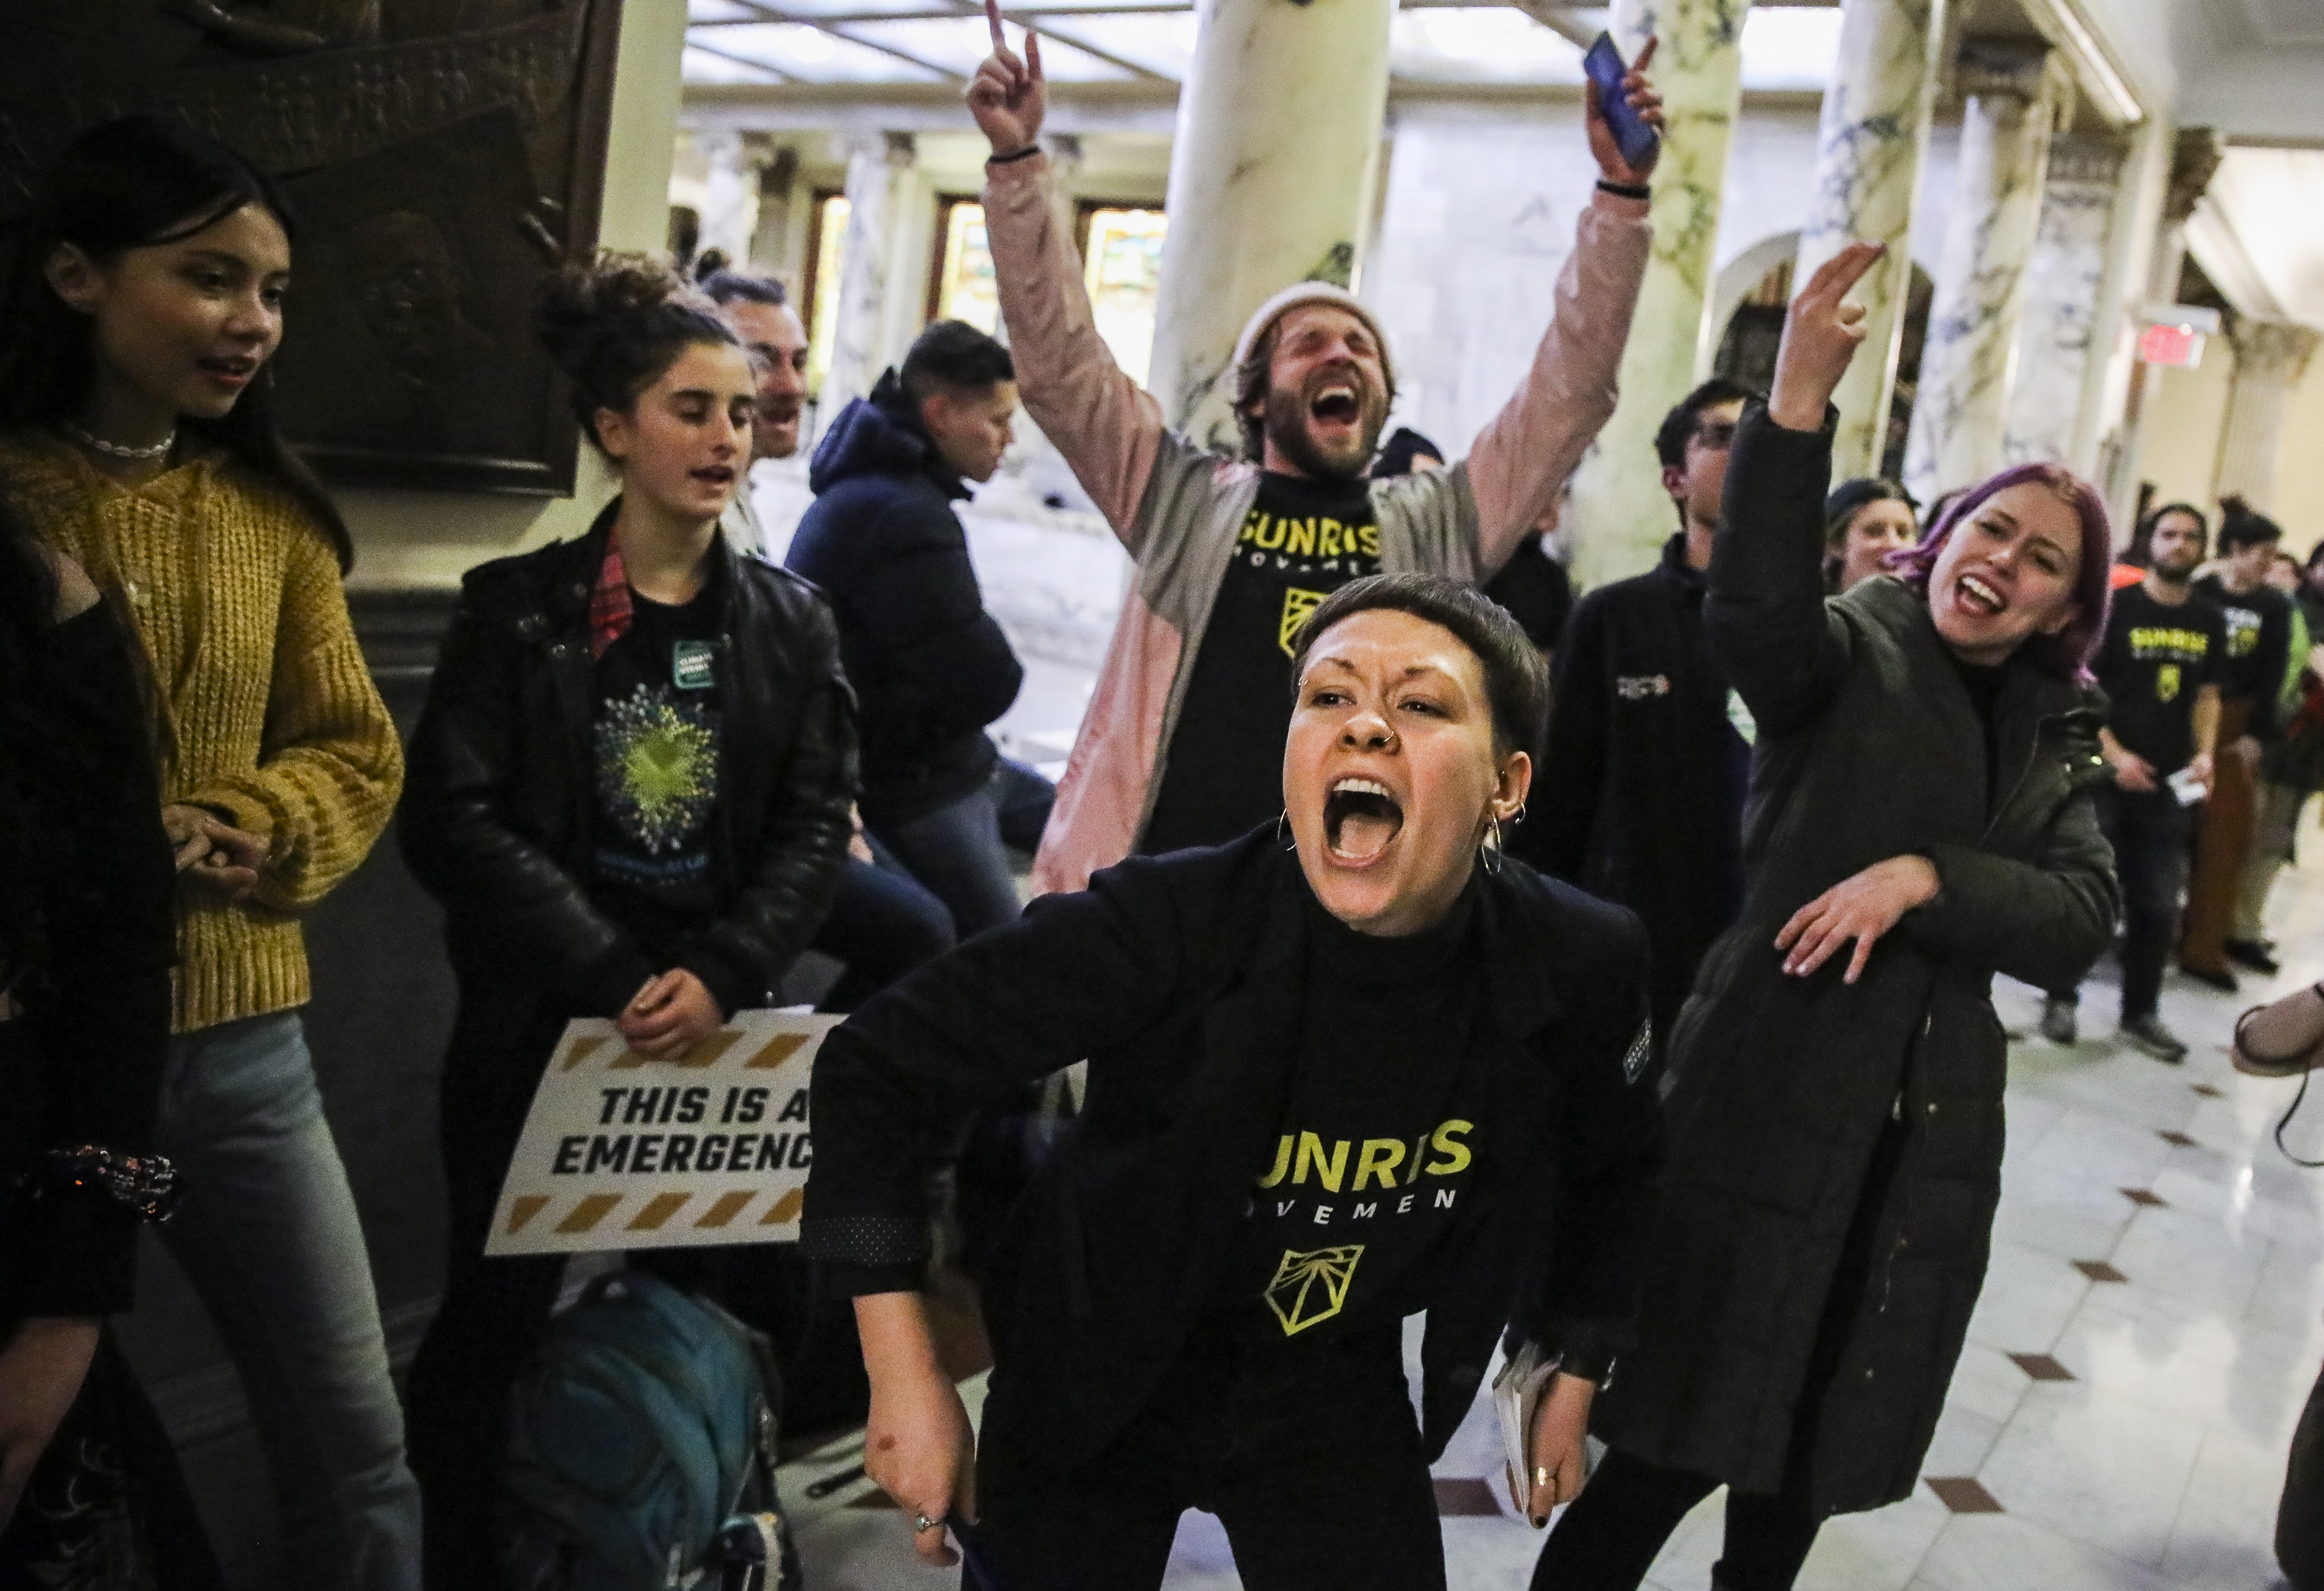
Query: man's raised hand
x,y
1821,334
1009,97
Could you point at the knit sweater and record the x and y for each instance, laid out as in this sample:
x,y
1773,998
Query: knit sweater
x,y
266,712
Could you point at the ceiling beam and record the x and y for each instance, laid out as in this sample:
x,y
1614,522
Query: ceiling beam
x,y
773,74
831,26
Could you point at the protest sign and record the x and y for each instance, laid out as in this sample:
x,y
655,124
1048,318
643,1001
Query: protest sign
x,y
622,1151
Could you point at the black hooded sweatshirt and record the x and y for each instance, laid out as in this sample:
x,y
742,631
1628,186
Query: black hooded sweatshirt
x,y
930,667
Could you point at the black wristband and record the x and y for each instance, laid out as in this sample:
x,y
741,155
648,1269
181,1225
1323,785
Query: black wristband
x,y
1027,152
1625,189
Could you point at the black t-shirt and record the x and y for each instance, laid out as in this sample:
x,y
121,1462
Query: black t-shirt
x,y
2259,642
1302,540
2153,661
1378,1140
1536,591
657,864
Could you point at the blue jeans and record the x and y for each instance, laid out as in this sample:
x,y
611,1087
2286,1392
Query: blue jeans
x,y
268,1234
882,925
958,852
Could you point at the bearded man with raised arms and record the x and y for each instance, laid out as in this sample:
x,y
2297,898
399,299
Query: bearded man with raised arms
x,y
1182,742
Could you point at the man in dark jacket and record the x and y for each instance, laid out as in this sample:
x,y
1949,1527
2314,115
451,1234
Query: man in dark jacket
x,y
930,667
1641,798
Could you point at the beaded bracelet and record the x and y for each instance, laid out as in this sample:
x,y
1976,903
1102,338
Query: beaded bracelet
x,y
146,1183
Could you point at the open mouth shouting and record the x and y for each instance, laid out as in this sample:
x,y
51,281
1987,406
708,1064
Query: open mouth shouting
x,y
717,477
1977,597
1360,820
232,372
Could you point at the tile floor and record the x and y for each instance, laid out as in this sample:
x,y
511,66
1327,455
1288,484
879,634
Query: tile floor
x,y
2151,1325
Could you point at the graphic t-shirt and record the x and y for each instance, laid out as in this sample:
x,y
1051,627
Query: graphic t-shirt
x,y
1379,1142
2259,638
656,863
1302,540
2154,659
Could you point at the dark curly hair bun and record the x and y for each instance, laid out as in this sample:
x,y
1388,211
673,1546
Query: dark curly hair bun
x,y
613,325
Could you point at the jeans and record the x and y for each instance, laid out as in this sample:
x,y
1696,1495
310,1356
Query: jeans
x,y
883,924
2148,831
1609,1537
1310,1457
958,850
267,1232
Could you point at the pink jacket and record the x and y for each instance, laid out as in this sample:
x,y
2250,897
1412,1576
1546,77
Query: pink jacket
x,y
1178,508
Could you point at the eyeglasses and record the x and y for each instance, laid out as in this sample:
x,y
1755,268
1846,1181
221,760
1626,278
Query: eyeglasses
x,y
1716,437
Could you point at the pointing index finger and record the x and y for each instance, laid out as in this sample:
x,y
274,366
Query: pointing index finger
x,y
993,19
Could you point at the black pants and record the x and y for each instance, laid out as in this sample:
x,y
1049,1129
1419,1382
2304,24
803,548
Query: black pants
x,y
1607,1539
1310,1457
2148,831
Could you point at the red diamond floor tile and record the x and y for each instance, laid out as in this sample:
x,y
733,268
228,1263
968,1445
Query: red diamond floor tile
x,y
2142,1196
2041,1367
2100,1271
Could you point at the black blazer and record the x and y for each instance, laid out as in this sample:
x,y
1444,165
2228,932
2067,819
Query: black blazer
x,y
1178,977
495,821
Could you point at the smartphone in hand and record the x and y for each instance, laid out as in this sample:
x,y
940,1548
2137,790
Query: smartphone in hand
x,y
1606,68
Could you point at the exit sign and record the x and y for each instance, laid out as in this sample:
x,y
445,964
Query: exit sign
x,y
2177,347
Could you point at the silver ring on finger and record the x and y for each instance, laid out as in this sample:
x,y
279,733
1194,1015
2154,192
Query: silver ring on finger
x,y
921,1522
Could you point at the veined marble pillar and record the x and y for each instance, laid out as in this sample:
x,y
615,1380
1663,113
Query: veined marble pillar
x,y
877,170
1620,514
2195,157
2065,279
2271,357
1959,410
729,199
1874,132
1270,181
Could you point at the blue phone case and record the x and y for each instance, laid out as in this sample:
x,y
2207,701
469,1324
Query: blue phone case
x,y
1606,68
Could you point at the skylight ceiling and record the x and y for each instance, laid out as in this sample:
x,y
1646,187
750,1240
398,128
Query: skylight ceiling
x,y
909,41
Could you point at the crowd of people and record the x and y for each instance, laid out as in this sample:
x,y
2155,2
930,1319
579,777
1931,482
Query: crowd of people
x,y
1609,980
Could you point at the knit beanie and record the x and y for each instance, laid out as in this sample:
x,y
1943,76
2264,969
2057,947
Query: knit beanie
x,y
1310,293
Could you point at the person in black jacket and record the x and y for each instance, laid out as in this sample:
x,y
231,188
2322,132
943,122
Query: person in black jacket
x,y
1921,818
87,928
629,791
930,667
1350,1067
1640,799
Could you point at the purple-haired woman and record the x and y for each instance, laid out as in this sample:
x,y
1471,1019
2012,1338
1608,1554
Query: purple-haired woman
x,y
1920,818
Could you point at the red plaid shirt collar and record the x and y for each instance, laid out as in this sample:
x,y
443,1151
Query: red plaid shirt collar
x,y
610,610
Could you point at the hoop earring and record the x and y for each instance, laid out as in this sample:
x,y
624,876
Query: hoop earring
x,y
1488,849
1282,821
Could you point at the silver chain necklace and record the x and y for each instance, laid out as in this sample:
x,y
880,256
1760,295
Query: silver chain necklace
x,y
160,449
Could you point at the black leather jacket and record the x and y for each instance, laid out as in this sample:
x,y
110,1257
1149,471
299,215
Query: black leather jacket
x,y
496,807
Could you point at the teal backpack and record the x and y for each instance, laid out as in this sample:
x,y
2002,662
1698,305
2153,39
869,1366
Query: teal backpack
x,y
642,1450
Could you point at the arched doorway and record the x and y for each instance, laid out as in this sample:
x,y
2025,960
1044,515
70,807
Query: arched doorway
x,y
1753,292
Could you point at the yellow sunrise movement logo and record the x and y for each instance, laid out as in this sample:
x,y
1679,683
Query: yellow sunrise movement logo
x,y
1296,605
1311,1287
2166,682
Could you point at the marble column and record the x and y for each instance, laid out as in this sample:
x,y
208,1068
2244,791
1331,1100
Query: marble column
x,y
778,176
877,171
1874,132
730,197
2195,158
1271,179
1960,408
2271,358
1620,514
2065,279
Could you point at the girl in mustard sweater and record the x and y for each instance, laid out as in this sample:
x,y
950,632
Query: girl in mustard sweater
x,y
140,310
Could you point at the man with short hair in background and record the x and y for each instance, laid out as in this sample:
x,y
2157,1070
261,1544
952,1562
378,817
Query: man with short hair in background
x,y
1640,796
2160,664
775,339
